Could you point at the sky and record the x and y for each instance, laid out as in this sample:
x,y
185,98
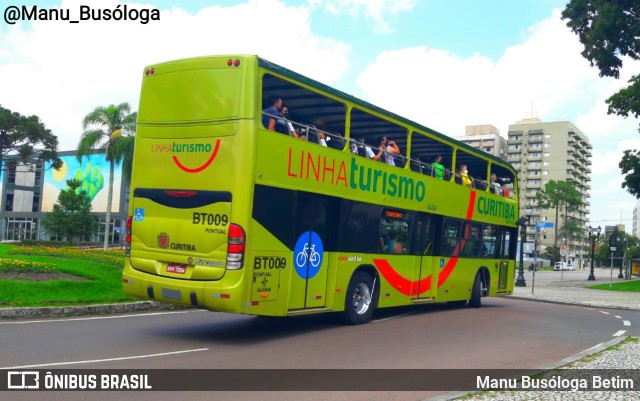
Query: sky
x,y
445,64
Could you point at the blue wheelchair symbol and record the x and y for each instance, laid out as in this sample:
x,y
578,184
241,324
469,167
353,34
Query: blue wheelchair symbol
x,y
139,214
441,262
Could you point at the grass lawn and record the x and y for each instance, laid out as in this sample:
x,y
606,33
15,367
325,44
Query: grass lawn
x,y
42,276
629,286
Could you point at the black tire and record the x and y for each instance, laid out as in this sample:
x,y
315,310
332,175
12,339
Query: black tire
x,y
457,304
476,292
362,299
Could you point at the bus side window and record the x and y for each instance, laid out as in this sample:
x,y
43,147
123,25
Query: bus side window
x,y
394,233
423,237
451,236
506,242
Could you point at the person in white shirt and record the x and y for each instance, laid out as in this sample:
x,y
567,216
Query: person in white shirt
x,y
389,149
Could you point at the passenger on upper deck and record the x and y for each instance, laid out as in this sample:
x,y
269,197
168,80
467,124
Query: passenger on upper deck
x,y
388,149
463,173
362,149
284,121
437,169
322,137
272,113
496,188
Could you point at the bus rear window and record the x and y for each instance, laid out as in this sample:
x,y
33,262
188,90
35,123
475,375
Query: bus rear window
x,y
191,95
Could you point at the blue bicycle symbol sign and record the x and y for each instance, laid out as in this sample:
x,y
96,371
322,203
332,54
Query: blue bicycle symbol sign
x,y
308,254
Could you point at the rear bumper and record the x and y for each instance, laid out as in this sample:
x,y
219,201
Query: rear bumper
x,y
225,295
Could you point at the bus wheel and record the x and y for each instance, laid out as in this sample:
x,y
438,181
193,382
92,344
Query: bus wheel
x,y
476,293
361,299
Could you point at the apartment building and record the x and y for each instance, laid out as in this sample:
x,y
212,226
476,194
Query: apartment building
x,y
542,151
487,138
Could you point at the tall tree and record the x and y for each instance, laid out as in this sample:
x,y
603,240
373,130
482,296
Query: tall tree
x,y
70,217
559,195
111,129
572,229
610,30
20,135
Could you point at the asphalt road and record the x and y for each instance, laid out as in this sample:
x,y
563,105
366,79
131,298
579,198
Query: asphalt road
x,y
504,333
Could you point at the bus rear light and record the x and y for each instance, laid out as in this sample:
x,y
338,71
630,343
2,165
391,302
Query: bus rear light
x,y
180,194
127,248
236,247
153,71
237,62
147,71
229,62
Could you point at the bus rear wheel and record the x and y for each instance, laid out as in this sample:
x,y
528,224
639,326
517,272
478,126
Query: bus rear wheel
x,y
361,299
476,292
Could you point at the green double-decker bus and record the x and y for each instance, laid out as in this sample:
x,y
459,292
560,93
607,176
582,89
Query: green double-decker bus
x,y
335,206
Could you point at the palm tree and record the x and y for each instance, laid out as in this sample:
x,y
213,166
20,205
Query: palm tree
x,y
103,129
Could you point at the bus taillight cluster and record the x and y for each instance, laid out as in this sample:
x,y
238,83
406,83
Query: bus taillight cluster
x,y
236,247
127,249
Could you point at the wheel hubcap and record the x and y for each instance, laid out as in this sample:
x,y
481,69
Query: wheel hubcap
x,y
361,298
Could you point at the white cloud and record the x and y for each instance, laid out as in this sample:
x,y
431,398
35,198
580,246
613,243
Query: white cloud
x,y
72,68
377,11
447,92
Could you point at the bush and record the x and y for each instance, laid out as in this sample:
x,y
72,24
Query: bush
x,y
58,244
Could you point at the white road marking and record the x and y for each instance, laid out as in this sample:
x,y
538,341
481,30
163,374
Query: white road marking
x,y
106,360
626,323
101,317
393,317
606,313
619,333
618,317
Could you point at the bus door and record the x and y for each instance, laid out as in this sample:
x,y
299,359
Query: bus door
x,y
312,235
503,272
423,245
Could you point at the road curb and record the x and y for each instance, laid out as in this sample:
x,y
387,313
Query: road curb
x,y
100,309
551,301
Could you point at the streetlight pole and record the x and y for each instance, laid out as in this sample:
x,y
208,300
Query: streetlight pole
x,y
624,254
522,222
593,233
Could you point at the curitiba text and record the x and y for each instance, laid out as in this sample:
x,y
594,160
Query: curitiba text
x,y
13,14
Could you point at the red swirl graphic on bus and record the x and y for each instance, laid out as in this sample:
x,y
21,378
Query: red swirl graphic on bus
x,y
202,167
409,287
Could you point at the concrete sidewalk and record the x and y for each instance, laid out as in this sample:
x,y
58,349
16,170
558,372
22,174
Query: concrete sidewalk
x,y
569,287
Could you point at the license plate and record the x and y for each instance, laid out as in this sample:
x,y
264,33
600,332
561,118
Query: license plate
x,y
179,269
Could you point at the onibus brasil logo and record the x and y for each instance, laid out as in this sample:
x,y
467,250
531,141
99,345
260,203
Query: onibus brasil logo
x,y
188,148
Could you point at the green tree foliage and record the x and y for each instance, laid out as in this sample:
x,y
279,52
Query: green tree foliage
x,y
572,229
630,167
610,30
70,218
553,254
111,129
19,135
559,195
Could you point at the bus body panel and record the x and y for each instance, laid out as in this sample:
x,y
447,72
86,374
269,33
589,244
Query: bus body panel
x,y
202,154
193,168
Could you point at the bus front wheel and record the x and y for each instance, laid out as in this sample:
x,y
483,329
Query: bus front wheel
x,y
361,299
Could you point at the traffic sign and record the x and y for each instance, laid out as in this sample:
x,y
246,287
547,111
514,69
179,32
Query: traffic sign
x,y
563,250
544,224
